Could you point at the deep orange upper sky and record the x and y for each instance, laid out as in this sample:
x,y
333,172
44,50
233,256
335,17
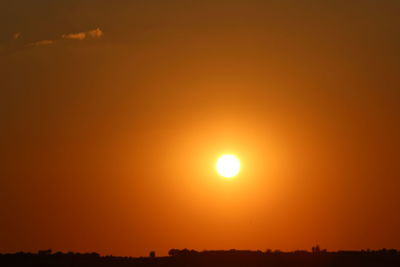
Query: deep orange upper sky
x,y
113,113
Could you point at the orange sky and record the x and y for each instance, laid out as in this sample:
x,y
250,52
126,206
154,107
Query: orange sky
x,y
114,114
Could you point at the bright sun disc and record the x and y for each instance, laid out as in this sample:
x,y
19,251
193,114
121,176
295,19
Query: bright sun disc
x,y
228,166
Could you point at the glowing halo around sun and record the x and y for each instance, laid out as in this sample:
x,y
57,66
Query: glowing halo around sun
x,y
228,166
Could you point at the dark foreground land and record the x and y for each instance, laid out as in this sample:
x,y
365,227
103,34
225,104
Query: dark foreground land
x,y
188,258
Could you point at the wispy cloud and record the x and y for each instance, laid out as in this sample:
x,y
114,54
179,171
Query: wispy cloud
x,y
43,42
96,33
74,36
17,35
92,34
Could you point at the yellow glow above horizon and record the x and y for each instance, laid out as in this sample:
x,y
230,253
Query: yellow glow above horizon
x,y
228,166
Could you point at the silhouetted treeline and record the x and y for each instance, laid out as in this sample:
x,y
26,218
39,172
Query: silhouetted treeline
x,y
231,258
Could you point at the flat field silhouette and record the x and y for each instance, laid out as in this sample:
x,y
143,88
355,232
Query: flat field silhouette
x,y
187,257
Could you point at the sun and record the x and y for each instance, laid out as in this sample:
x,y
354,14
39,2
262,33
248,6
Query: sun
x,y
228,166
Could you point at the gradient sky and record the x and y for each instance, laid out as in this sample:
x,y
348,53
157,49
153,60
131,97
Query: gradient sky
x,y
113,113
